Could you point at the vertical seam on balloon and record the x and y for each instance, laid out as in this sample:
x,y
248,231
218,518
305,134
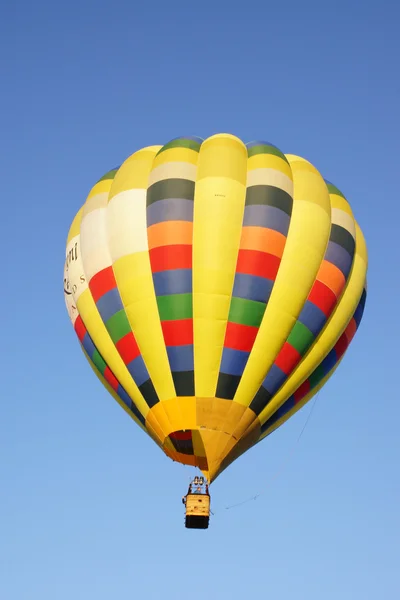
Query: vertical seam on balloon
x,y
321,302
99,285
220,172
243,427
266,217
263,395
169,213
96,360
266,221
129,248
170,234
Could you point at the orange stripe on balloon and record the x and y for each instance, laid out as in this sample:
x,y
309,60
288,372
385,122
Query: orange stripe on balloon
x,y
170,232
263,239
332,277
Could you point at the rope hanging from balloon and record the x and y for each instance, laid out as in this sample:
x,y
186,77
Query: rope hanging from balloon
x,y
284,462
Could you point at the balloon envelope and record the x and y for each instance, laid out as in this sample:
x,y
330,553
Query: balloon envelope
x,y
214,287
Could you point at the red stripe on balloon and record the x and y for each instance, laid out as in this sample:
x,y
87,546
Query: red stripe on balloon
x,y
80,328
128,348
111,379
322,297
240,337
102,282
261,264
287,358
178,332
165,258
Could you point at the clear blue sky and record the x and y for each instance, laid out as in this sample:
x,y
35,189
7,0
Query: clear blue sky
x,y
90,507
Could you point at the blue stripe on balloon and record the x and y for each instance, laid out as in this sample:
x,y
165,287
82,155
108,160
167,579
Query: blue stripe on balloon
x,y
170,209
274,379
252,287
261,215
233,361
329,361
338,256
88,345
128,402
124,396
138,370
360,308
312,317
281,412
173,281
181,357
109,304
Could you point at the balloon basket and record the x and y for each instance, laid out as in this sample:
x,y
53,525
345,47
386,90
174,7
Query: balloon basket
x,y
197,504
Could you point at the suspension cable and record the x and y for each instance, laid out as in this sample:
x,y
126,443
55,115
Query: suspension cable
x,y
283,463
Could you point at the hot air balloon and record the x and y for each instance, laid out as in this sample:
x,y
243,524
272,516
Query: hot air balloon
x,y
214,287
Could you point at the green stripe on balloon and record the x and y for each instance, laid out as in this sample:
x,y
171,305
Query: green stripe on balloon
x,y
175,307
181,143
266,149
317,376
109,175
300,338
118,326
246,312
332,189
99,362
